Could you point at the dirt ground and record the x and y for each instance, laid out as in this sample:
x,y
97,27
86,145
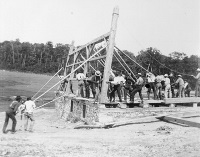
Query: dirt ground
x,y
57,138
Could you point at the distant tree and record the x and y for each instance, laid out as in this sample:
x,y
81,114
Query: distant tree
x,y
151,59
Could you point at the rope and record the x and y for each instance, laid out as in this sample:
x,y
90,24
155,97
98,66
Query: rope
x,y
120,63
167,67
47,82
93,68
48,102
131,59
153,57
72,71
125,63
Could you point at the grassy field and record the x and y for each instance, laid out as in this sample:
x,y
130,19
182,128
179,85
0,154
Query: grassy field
x,y
24,84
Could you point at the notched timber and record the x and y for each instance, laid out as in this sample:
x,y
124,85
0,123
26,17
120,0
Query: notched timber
x,y
92,59
95,41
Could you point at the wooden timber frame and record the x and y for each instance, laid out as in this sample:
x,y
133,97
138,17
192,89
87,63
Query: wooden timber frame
x,y
103,46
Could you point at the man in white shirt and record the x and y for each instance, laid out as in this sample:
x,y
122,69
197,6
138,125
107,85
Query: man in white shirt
x,y
151,83
167,86
80,76
118,82
28,114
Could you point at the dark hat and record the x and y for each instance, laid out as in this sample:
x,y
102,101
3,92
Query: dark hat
x,y
29,98
18,98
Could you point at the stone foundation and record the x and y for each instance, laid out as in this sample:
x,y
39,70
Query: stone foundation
x,y
72,108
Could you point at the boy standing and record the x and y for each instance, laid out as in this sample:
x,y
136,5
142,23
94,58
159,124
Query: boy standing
x,y
28,114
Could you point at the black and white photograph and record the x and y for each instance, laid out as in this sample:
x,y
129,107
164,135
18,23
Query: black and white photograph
x,y
100,78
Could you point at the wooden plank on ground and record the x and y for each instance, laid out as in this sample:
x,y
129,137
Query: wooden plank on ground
x,y
138,121
180,121
182,100
187,114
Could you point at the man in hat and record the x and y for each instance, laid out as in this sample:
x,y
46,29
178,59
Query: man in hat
x,y
197,87
95,83
138,88
167,86
180,84
10,113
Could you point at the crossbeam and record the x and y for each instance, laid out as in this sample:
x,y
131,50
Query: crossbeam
x,y
97,40
93,59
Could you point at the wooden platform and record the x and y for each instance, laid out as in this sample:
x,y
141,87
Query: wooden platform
x,y
185,100
170,102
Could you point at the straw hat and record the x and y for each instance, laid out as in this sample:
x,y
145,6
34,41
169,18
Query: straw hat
x,y
179,76
98,73
166,75
139,74
198,69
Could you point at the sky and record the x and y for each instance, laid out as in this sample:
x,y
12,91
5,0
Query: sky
x,y
168,25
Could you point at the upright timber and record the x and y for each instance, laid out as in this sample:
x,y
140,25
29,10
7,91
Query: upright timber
x,y
109,54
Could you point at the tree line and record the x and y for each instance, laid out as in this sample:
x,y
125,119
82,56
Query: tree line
x,y
37,57
47,58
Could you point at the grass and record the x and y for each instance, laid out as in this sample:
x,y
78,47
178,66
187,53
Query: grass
x,y
24,84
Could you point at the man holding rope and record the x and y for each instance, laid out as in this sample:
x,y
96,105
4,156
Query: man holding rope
x,y
197,87
10,113
138,88
28,114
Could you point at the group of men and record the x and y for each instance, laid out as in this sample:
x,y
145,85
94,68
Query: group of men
x,y
25,109
163,86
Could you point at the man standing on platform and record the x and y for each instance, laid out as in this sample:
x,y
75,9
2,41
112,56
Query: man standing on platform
x,y
180,83
80,77
167,86
172,82
197,87
158,80
129,83
118,81
151,85
138,87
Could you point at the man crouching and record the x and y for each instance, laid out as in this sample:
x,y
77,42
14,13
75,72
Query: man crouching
x,y
28,114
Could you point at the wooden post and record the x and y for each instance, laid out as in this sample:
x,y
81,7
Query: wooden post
x,y
109,55
86,64
70,50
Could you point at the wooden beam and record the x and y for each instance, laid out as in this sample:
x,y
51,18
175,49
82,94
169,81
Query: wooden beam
x,y
70,50
97,40
180,121
109,55
93,59
182,100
